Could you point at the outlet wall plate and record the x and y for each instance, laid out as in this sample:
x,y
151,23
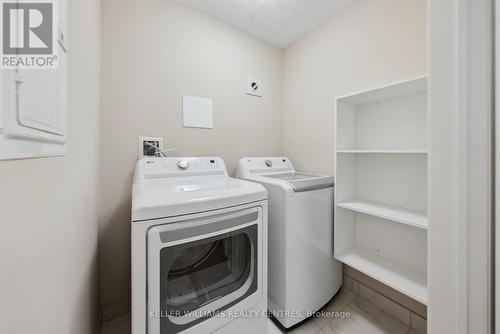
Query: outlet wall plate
x,y
254,87
148,151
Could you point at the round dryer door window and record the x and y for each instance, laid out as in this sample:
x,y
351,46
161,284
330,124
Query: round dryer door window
x,y
203,276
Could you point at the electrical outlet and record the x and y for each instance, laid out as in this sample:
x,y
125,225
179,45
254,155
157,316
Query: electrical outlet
x,y
146,150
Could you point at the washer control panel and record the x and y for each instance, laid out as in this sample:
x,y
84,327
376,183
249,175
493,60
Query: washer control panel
x,y
262,165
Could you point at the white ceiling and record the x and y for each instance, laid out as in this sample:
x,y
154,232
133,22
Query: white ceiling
x,y
279,22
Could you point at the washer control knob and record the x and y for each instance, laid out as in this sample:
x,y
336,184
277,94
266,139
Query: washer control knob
x,y
268,163
182,165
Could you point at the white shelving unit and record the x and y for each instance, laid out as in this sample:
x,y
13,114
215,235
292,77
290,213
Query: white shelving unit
x,y
381,185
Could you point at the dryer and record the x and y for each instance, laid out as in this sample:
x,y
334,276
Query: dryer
x,y
303,274
199,249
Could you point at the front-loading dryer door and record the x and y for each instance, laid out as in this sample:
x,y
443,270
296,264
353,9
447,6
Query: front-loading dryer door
x,y
198,269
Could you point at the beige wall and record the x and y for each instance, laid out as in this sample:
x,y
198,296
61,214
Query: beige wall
x,y
153,53
49,209
369,44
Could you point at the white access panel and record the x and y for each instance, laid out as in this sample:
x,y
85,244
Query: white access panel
x,y
197,112
33,112
39,104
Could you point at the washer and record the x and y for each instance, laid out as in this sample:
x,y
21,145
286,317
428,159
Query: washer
x,y
303,274
199,249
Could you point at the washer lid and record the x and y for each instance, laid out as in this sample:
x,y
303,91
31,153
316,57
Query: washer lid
x,y
186,195
303,181
280,169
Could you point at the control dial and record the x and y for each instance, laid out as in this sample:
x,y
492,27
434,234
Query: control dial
x,y
268,163
182,165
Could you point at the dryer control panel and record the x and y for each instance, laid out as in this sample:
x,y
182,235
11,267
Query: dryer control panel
x,y
158,168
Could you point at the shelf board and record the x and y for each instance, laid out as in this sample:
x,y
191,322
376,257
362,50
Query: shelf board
x,y
390,90
385,151
404,280
389,212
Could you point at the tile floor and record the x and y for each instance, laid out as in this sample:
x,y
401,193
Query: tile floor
x,y
364,318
